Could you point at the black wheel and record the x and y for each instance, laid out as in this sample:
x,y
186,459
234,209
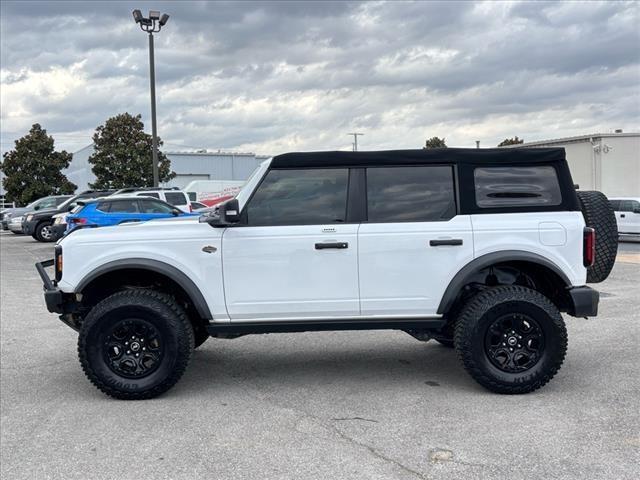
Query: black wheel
x,y
44,232
511,339
200,335
599,215
15,233
135,344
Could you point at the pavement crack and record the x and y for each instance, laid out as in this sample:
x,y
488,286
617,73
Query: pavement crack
x,y
354,418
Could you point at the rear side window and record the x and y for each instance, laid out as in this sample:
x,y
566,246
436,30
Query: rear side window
x,y
410,194
615,205
103,206
124,206
176,198
498,187
300,197
629,205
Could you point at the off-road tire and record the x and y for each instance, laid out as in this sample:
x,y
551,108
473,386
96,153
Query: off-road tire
x,y
489,306
599,215
40,233
155,308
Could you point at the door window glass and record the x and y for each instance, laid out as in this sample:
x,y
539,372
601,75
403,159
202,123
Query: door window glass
x,y
410,194
124,206
176,198
300,197
155,206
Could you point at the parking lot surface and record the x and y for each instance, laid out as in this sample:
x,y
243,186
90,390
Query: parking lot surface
x,y
339,405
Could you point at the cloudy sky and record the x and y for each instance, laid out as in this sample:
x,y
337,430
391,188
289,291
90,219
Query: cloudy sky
x,y
275,77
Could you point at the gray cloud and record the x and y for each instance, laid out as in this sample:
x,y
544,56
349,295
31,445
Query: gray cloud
x,y
273,76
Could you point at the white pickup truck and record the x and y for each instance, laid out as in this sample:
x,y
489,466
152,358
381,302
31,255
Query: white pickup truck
x,y
478,249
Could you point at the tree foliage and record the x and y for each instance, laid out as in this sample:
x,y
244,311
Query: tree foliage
x,y
33,168
435,142
123,152
511,141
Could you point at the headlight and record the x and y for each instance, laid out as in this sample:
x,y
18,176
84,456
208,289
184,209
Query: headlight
x,y
59,220
16,220
29,218
5,215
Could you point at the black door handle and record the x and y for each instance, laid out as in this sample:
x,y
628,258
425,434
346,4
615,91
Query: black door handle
x,y
622,215
450,241
323,246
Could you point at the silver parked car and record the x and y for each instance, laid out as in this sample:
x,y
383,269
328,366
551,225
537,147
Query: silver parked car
x,y
43,203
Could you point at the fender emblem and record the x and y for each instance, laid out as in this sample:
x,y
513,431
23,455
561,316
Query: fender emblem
x,y
209,249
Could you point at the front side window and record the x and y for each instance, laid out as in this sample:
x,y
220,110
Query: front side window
x,y
300,197
410,194
155,206
498,187
176,198
615,205
629,206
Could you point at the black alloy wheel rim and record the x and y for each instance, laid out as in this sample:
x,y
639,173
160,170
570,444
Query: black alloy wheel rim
x,y
514,343
133,348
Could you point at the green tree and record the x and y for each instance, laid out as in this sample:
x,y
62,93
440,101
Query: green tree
x,y
122,155
435,142
33,168
511,141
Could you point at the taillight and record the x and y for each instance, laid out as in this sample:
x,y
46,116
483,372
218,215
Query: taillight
x,y
588,246
58,262
78,221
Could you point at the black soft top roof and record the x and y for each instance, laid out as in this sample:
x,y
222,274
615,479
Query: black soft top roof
x,y
496,156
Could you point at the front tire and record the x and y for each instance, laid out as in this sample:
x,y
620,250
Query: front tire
x,y
135,344
44,232
511,339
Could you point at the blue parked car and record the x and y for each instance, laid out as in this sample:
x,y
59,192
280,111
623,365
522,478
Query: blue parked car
x,y
103,212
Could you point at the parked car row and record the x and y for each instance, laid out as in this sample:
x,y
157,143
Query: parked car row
x,y
49,218
627,211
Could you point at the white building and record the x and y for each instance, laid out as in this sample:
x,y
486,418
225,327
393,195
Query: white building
x,y
608,162
188,166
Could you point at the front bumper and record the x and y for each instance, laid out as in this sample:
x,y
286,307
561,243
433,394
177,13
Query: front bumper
x,y
29,228
584,302
58,230
56,300
15,227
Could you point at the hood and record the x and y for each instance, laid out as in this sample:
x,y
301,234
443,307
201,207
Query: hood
x,y
46,213
14,211
168,229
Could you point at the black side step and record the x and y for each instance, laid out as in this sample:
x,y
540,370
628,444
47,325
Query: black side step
x,y
329,325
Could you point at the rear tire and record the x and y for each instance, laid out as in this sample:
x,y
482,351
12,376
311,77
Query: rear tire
x,y
511,339
599,215
135,344
44,233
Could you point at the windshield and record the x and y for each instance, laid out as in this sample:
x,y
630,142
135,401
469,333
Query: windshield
x,y
66,203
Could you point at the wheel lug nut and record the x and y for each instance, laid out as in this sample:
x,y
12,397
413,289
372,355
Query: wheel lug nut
x,y
144,348
519,345
128,352
503,344
126,343
511,349
137,354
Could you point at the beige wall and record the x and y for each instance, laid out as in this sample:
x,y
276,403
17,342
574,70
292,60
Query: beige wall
x,y
615,170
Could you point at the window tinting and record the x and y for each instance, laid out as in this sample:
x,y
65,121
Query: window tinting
x,y
176,198
615,205
103,206
154,206
516,187
124,206
410,194
629,205
300,197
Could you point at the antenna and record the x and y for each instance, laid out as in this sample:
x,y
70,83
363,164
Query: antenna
x,y
355,140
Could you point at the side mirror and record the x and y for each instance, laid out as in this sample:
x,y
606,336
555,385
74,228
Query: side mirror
x,y
227,215
37,207
230,211
636,210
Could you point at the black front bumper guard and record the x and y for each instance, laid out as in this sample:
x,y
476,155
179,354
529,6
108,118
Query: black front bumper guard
x,y
57,301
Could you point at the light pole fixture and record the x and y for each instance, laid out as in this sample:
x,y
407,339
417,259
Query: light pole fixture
x,y
355,140
152,25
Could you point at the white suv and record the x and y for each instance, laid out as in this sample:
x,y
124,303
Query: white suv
x,y
172,195
478,249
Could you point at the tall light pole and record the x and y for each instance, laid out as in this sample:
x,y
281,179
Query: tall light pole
x,y
152,25
355,140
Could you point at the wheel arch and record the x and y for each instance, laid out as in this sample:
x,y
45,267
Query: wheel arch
x,y
155,267
467,273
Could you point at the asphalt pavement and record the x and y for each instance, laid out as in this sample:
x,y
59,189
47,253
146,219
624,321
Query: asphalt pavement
x,y
330,405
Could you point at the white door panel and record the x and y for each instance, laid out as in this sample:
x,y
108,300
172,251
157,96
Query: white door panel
x,y
401,273
277,272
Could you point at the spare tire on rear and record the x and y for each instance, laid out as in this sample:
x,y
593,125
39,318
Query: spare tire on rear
x,y
599,215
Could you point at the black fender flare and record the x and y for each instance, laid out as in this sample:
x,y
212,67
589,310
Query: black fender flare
x,y
157,266
461,278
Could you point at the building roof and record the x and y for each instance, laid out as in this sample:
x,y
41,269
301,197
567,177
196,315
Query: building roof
x,y
578,138
417,157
